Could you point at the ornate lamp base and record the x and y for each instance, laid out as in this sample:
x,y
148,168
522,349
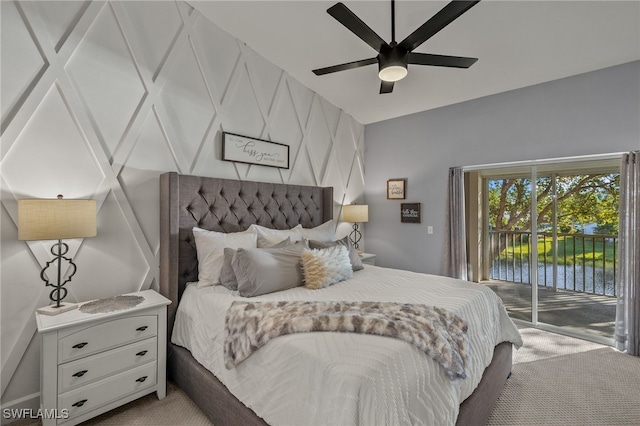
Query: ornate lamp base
x,y
59,292
355,236
55,310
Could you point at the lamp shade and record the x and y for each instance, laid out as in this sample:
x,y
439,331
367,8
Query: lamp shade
x,y
57,219
355,213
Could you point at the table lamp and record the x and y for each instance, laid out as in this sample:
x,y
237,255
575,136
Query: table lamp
x,y
56,219
356,213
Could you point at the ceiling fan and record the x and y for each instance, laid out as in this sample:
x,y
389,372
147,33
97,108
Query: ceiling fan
x,y
393,58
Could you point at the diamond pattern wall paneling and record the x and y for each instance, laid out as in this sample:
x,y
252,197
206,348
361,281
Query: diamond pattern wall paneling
x,y
104,74
98,99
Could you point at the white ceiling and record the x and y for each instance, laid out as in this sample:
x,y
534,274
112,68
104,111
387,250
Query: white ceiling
x,y
519,43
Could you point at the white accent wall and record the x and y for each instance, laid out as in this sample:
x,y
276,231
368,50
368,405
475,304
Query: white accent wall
x,y
587,114
98,99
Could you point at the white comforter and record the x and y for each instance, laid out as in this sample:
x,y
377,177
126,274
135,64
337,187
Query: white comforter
x,y
326,378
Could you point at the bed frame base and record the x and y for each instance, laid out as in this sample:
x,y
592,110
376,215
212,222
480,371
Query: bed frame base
x,y
209,394
476,409
222,408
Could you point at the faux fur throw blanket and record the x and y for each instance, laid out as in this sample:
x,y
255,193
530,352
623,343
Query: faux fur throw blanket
x,y
440,334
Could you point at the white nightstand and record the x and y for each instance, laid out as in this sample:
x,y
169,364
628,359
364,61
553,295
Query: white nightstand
x,y
368,258
93,363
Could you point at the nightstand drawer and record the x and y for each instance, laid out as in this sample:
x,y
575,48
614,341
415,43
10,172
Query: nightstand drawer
x,y
106,336
95,395
95,367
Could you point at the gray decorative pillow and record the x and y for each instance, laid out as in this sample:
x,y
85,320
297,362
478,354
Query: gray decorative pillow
x,y
227,276
354,257
262,271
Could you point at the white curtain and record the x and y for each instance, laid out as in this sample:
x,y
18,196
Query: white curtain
x,y
627,336
455,262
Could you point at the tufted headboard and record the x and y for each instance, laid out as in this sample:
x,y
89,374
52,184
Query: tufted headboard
x,y
225,205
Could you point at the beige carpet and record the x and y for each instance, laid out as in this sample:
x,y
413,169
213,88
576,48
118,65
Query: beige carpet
x,y
556,380
175,409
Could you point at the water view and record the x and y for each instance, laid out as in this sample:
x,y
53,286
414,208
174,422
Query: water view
x,y
580,278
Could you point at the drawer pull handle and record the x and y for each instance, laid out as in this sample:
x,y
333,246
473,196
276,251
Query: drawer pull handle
x,y
80,345
141,353
79,403
143,328
80,373
141,379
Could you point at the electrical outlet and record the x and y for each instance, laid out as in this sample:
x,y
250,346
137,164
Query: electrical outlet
x,y
429,229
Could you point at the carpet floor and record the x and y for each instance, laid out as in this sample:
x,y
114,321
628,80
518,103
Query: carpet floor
x,y
556,380
559,380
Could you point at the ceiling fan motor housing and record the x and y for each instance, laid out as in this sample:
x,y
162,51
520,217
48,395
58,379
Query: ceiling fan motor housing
x,y
392,63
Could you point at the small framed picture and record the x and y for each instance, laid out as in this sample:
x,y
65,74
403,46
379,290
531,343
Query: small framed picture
x,y
410,212
396,189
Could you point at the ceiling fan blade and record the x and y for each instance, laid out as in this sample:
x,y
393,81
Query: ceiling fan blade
x,y
354,24
441,60
386,86
447,14
347,66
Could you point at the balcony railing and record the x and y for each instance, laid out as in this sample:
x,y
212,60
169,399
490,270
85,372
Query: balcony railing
x,y
585,263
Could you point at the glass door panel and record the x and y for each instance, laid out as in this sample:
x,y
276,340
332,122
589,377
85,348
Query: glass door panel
x,y
509,241
579,263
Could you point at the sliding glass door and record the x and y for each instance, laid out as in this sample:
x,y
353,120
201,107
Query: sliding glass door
x,y
551,244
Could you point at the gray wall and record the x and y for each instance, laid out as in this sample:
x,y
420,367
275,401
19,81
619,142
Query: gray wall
x,y
98,99
593,113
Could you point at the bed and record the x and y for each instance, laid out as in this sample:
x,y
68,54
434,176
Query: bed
x,y
232,206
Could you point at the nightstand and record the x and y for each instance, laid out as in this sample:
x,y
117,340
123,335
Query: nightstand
x,y
91,363
368,258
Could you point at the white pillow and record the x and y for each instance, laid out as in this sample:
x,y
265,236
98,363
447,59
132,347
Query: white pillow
x,y
324,232
323,267
210,247
268,237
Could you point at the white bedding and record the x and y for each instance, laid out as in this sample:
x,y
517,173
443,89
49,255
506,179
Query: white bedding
x,y
345,378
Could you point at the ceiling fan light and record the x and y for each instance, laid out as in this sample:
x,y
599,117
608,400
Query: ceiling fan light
x,y
393,73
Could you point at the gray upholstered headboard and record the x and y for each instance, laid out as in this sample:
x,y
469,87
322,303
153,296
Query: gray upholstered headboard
x,y
225,205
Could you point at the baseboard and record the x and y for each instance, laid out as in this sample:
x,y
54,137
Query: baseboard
x,y
27,405
607,341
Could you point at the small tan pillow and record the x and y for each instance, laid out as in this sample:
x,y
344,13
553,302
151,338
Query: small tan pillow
x,y
323,267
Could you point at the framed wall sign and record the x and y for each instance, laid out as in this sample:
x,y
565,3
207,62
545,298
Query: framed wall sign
x,y
396,189
243,149
410,212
